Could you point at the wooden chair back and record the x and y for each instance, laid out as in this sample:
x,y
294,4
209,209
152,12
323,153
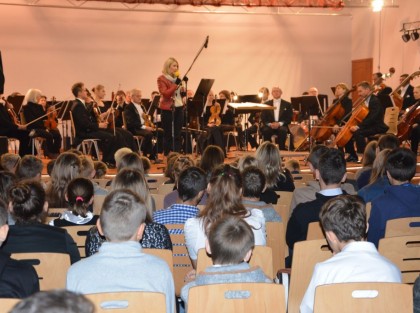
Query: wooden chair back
x,y
53,213
159,200
315,231
155,181
302,177
102,182
79,234
364,297
164,254
7,304
181,259
391,120
368,209
261,256
164,189
98,201
50,267
409,226
285,198
276,241
306,254
404,252
238,297
128,302
284,211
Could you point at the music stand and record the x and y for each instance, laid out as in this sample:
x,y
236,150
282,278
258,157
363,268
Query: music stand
x,y
203,89
16,101
249,98
64,115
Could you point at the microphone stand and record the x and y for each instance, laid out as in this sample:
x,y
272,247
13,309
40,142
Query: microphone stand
x,y
205,44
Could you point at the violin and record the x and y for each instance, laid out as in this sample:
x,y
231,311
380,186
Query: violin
x,y
407,120
147,120
51,121
11,112
334,114
215,115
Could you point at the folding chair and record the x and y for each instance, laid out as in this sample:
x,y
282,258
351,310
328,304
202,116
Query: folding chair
x,y
86,144
79,234
408,226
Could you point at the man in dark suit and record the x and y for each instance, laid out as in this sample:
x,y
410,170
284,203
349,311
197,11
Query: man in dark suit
x,y
372,124
275,122
406,92
379,85
87,126
135,123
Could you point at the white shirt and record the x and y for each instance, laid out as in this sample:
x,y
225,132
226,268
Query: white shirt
x,y
195,237
276,104
140,110
357,262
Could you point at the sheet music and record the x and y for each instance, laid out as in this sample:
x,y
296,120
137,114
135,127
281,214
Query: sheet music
x,y
250,105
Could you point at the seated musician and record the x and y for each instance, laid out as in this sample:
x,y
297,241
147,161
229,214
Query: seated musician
x,y
372,124
415,131
276,122
119,107
87,125
406,92
135,115
346,104
35,107
10,127
379,85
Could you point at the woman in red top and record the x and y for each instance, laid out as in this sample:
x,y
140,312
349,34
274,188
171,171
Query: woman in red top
x,y
171,99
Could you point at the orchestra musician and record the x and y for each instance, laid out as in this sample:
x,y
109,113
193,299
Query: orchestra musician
x,y
13,129
88,127
34,107
372,124
135,114
415,130
171,105
276,122
380,87
119,108
406,92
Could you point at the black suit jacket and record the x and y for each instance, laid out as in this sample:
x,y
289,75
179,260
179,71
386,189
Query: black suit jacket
x,y
375,117
84,119
6,123
285,116
408,97
32,111
17,278
132,118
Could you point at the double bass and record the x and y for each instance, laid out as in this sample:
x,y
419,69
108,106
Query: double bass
x,y
323,130
407,120
395,96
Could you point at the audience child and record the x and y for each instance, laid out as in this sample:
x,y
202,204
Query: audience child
x,y
191,187
87,170
308,192
400,199
50,166
330,173
9,162
66,168
212,157
387,141
28,208
147,165
169,171
277,179
100,169
155,235
17,279
230,243
126,267
132,161
55,301
224,199
180,164
246,161
79,196
119,154
7,180
363,174
253,184
293,166
378,179
29,167
354,259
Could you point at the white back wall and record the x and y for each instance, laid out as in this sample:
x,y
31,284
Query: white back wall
x,y
51,48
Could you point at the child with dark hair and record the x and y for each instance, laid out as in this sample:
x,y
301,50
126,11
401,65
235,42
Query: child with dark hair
x,y
9,162
147,165
253,184
230,243
400,199
100,169
355,260
29,167
80,198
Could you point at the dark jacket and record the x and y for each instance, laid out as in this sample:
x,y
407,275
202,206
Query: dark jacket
x,y
375,117
285,116
408,97
6,123
32,111
132,118
85,120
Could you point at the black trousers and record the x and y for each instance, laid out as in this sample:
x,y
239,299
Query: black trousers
x,y
414,137
53,140
249,132
281,133
108,144
178,121
23,137
359,137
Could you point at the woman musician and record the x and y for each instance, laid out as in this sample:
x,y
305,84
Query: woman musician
x,y
372,124
36,116
11,128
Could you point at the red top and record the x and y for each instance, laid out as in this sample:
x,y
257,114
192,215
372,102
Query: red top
x,y
167,90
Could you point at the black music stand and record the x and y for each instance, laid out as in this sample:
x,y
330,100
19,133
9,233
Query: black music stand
x,y
16,101
249,98
2,80
64,116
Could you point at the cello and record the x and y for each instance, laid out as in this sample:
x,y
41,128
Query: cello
x,y
334,114
407,120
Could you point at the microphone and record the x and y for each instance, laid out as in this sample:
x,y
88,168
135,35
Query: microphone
x,y
176,74
207,42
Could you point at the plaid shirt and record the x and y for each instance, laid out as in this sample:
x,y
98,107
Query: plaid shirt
x,y
175,214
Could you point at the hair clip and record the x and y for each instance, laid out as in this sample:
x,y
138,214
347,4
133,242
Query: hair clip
x,y
79,198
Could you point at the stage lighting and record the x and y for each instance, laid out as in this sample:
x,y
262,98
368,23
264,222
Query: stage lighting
x,y
406,37
415,35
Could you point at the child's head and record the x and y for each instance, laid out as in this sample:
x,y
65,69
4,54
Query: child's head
x,y
401,165
7,180
87,168
253,182
212,157
9,162
314,156
293,166
29,167
122,217
147,165
80,195
230,241
180,164
331,167
191,183
4,229
388,141
50,166
120,153
132,161
170,161
343,219
100,169
246,161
